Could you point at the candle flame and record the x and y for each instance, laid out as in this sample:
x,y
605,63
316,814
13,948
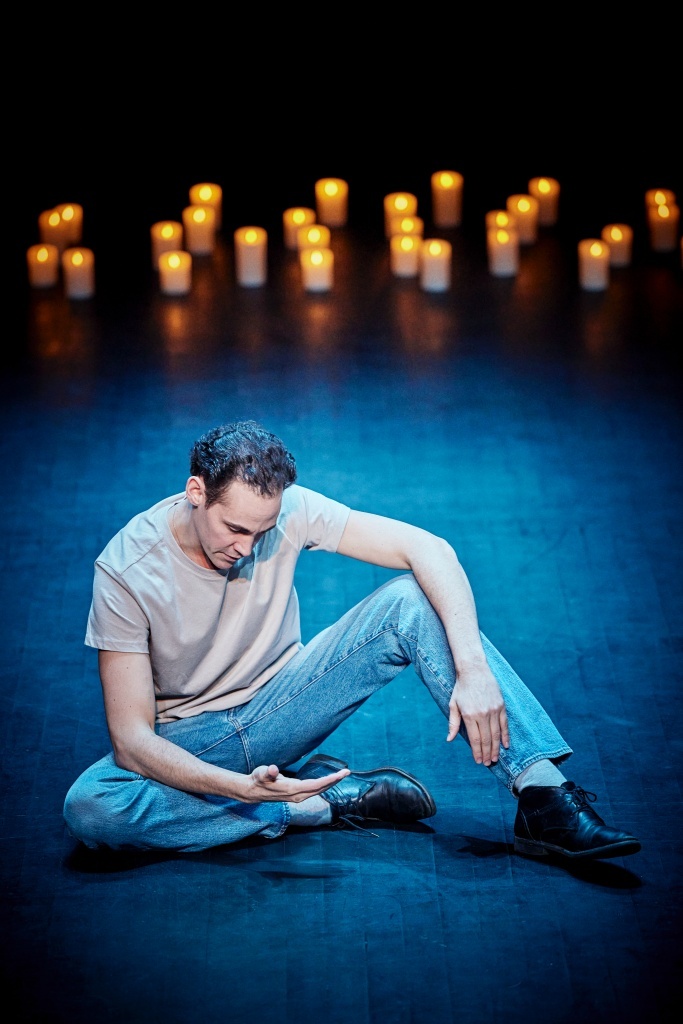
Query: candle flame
x,y
167,231
314,235
401,203
77,258
54,219
596,249
68,213
42,254
173,261
502,236
446,180
502,219
299,216
251,236
205,193
199,216
407,243
523,205
663,211
316,257
407,224
434,248
616,234
660,198
543,185
331,188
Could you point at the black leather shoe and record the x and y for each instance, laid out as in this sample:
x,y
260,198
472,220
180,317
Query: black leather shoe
x,y
385,794
559,819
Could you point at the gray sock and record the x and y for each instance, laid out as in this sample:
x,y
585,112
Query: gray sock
x,y
311,812
540,773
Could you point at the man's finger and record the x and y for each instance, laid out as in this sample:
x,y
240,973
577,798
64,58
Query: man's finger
x,y
475,741
454,719
504,729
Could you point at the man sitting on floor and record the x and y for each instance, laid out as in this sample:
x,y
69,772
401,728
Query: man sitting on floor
x,y
210,695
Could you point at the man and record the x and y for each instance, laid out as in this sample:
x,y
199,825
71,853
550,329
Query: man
x,y
210,695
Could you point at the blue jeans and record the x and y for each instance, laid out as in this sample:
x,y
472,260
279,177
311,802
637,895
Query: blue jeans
x,y
290,716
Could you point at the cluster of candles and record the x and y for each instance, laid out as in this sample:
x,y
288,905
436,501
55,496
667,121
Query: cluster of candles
x,y
307,230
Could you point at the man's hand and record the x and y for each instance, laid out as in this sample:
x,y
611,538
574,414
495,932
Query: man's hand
x,y
266,783
477,701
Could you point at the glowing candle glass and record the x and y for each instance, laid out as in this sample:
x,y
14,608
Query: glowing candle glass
x,y
43,265
199,226
593,264
502,248
435,265
166,236
208,194
78,271
525,209
619,237
52,229
313,236
398,204
251,256
175,272
317,269
659,197
547,192
332,202
662,222
294,218
404,255
72,221
447,189
407,226
500,219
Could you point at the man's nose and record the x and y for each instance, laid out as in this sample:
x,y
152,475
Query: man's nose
x,y
244,545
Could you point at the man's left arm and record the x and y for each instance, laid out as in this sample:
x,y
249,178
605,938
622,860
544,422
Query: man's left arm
x,y
476,699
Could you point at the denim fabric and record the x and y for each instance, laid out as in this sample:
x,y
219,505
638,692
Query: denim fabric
x,y
292,715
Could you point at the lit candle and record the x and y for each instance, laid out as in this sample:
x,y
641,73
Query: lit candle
x,y
78,269
313,236
502,247
317,269
43,265
251,256
547,192
619,238
52,230
175,272
199,225
525,209
407,226
332,201
659,197
208,194
435,265
500,219
404,255
593,264
663,226
447,198
398,204
72,220
294,218
166,236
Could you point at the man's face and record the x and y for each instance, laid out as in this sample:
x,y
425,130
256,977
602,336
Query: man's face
x,y
229,529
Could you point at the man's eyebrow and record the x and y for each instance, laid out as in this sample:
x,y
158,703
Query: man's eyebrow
x,y
243,529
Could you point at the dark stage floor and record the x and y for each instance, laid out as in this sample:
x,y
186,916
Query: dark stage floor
x,y
535,426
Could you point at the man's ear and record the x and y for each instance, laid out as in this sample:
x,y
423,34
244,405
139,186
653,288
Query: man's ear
x,y
195,491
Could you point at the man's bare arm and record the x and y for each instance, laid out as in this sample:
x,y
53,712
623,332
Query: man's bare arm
x,y
476,699
128,692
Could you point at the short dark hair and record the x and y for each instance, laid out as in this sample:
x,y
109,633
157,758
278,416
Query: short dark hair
x,y
242,451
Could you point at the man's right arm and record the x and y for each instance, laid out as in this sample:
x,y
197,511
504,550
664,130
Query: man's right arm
x,y
128,691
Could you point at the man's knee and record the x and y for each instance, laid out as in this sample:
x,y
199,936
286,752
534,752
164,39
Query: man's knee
x,y
82,815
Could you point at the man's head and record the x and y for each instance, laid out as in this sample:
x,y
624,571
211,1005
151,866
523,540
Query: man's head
x,y
244,452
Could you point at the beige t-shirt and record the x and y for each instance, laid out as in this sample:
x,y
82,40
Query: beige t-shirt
x,y
214,636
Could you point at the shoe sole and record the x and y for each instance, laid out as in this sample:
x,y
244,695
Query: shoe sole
x,y
333,764
533,849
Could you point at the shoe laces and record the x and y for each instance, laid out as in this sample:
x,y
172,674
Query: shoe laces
x,y
583,797
348,819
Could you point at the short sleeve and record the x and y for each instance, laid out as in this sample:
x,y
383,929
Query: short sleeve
x,y
116,621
